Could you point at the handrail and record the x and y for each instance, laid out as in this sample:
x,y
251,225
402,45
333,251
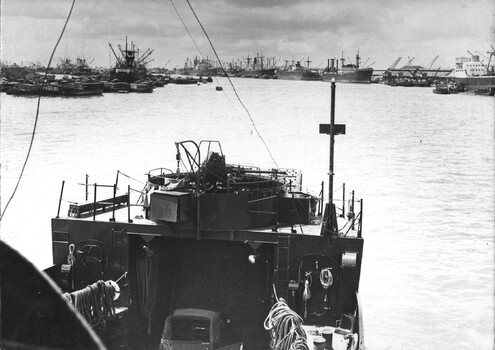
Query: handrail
x,y
161,171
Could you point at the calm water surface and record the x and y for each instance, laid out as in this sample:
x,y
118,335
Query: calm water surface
x,y
423,163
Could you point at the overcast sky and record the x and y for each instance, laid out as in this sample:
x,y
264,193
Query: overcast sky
x,y
382,30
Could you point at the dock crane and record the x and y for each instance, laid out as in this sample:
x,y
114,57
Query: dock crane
x,y
388,75
492,53
432,62
393,65
479,53
410,61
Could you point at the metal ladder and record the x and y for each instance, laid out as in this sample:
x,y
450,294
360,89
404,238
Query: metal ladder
x,y
283,244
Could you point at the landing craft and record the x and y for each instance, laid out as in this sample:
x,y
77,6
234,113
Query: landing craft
x,y
211,253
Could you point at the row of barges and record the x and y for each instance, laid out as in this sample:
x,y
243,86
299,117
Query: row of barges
x,y
90,87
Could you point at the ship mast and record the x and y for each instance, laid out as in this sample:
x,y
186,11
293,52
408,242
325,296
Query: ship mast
x,y
331,129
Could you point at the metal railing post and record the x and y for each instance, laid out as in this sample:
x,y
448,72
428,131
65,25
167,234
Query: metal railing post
x,y
129,203
361,220
60,199
352,210
322,198
87,193
343,200
94,204
113,204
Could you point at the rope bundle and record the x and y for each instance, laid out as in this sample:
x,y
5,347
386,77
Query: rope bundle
x,y
94,302
285,328
147,275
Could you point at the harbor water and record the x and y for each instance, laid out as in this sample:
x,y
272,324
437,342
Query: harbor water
x,y
423,164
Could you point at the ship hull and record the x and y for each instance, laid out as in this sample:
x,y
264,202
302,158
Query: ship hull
x,y
360,76
298,75
476,83
258,73
79,89
127,75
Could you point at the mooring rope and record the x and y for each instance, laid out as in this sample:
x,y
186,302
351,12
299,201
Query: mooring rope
x,y
285,327
94,302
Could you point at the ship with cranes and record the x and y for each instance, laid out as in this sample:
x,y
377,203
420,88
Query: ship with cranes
x,y
473,73
297,71
79,67
259,67
202,67
348,73
130,66
414,75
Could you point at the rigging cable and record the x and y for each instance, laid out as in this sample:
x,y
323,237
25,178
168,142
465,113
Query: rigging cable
x,y
199,50
188,32
233,87
37,112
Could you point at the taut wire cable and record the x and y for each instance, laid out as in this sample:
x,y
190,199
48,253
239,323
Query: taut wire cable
x,y
37,112
233,87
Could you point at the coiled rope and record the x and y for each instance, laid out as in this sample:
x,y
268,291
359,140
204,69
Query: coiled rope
x,y
94,302
285,327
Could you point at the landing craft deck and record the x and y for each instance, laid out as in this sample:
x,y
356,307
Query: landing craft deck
x,y
134,217
209,251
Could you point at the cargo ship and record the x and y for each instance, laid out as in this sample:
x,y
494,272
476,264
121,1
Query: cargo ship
x,y
297,72
258,68
130,66
473,74
348,72
201,67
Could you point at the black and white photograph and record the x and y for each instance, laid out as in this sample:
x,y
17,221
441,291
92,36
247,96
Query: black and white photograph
x,y
247,175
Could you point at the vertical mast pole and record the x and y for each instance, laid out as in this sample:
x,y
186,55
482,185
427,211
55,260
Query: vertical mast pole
x,y
330,173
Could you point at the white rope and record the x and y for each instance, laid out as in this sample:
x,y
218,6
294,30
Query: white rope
x,y
285,328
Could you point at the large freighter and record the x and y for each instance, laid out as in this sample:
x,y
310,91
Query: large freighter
x,y
348,73
259,69
200,67
474,74
130,67
297,72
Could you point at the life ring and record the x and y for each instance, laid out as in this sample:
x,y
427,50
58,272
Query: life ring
x,y
326,277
